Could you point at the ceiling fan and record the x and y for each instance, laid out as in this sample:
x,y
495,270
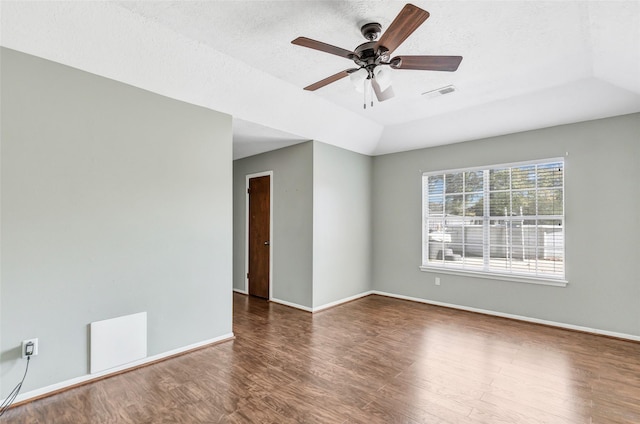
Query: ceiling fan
x,y
372,56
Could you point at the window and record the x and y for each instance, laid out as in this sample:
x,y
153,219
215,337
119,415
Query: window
x,y
505,219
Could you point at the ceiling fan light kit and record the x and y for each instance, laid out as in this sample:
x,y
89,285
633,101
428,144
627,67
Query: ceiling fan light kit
x,y
372,56
382,76
358,78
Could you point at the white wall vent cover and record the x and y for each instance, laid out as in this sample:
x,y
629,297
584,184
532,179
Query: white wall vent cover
x,y
118,341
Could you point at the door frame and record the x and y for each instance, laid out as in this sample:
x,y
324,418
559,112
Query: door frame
x,y
246,230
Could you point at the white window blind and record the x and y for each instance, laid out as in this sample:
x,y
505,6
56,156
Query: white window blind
x,y
504,219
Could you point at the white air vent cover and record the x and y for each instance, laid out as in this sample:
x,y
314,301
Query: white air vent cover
x,y
118,341
439,92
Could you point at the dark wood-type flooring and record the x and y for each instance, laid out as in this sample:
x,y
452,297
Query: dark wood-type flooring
x,y
374,360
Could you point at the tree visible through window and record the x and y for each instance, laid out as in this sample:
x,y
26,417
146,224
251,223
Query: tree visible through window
x,y
506,219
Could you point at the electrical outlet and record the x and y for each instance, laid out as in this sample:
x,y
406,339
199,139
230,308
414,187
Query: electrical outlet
x,y
30,345
437,281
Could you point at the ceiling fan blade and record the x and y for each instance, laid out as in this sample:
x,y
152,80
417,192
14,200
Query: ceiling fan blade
x,y
382,95
329,80
407,21
427,63
323,47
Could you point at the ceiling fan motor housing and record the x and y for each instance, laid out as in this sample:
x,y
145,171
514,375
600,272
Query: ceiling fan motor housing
x,y
366,52
369,54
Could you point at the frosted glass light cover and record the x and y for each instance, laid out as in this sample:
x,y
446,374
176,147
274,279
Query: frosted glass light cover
x,y
358,78
383,77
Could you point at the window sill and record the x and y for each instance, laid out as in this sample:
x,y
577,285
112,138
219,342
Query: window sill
x,y
496,276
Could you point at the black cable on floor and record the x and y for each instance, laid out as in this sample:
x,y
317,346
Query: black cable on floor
x,y
14,393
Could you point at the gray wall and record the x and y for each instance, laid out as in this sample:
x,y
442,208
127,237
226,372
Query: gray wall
x,y
341,224
292,220
114,201
602,200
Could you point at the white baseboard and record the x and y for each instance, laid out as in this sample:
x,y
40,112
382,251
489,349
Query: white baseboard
x,y
282,302
516,317
293,305
43,391
321,307
341,301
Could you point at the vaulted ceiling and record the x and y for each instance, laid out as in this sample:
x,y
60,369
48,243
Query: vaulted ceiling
x,y
527,64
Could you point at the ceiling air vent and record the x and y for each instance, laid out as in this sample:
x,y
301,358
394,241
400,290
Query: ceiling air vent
x,y
439,92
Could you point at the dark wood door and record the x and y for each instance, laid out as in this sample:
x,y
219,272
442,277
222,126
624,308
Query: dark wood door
x,y
259,233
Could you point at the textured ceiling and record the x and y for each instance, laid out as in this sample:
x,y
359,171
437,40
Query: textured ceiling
x,y
527,64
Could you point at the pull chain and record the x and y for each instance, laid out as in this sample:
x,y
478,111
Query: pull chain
x,y
371,91
368,86
364,94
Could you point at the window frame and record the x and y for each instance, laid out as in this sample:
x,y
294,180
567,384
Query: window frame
x,y
486,271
